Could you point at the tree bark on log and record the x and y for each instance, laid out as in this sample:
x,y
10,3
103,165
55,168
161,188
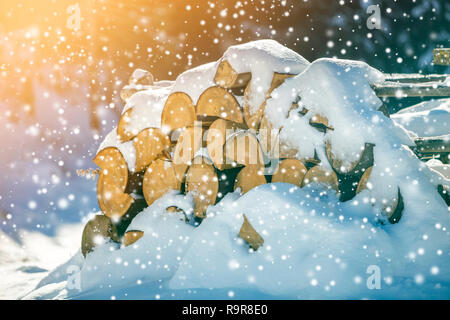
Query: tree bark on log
x,y
97,231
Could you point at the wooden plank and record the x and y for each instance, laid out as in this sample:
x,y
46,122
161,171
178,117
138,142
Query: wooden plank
x,y
403,90
441,56
415,77
427,145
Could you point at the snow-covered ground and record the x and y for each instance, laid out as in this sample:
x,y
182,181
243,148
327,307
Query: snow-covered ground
x,y
315,246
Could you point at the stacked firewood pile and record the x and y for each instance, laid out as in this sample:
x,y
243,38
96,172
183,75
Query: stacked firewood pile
x,y
218,145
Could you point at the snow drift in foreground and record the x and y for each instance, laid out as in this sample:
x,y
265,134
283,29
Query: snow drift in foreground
x,y
315,246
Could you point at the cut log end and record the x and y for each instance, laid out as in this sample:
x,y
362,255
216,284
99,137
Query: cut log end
x,y
322,176
130,237
216,138
290,171
250,177
227,77
243,148
123,132
159,178
320,122
142,77
112,183
96,232
202,183
149,144
218,102
250,235
178,112
364,182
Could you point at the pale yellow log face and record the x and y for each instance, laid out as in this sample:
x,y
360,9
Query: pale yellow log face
x,y
216,138
178,112
322,176
250,177
243,148
202,183
149,143
112,200
112,182
290,171
123,132
227,77
362,185
159,178
189,143
250,235
131,237
218,102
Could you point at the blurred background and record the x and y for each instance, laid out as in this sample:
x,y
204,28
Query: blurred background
x,y
63,63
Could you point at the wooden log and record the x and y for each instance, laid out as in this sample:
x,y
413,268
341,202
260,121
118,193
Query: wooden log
x,y
403,90
218,102
242,148
415,77
178,112
339,163
392,208
189,143
129,90
253,115
441,56
112,183
131,237
217,135
123,132
228,78
323,176
290,171
436,145
320,122
250,235
97,231
350,174
268,137
178,211
444,192
159,178
250,177
149,144
364,182
202,183
142,77
136,207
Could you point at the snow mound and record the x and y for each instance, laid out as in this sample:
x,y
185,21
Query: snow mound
x,y
426,119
